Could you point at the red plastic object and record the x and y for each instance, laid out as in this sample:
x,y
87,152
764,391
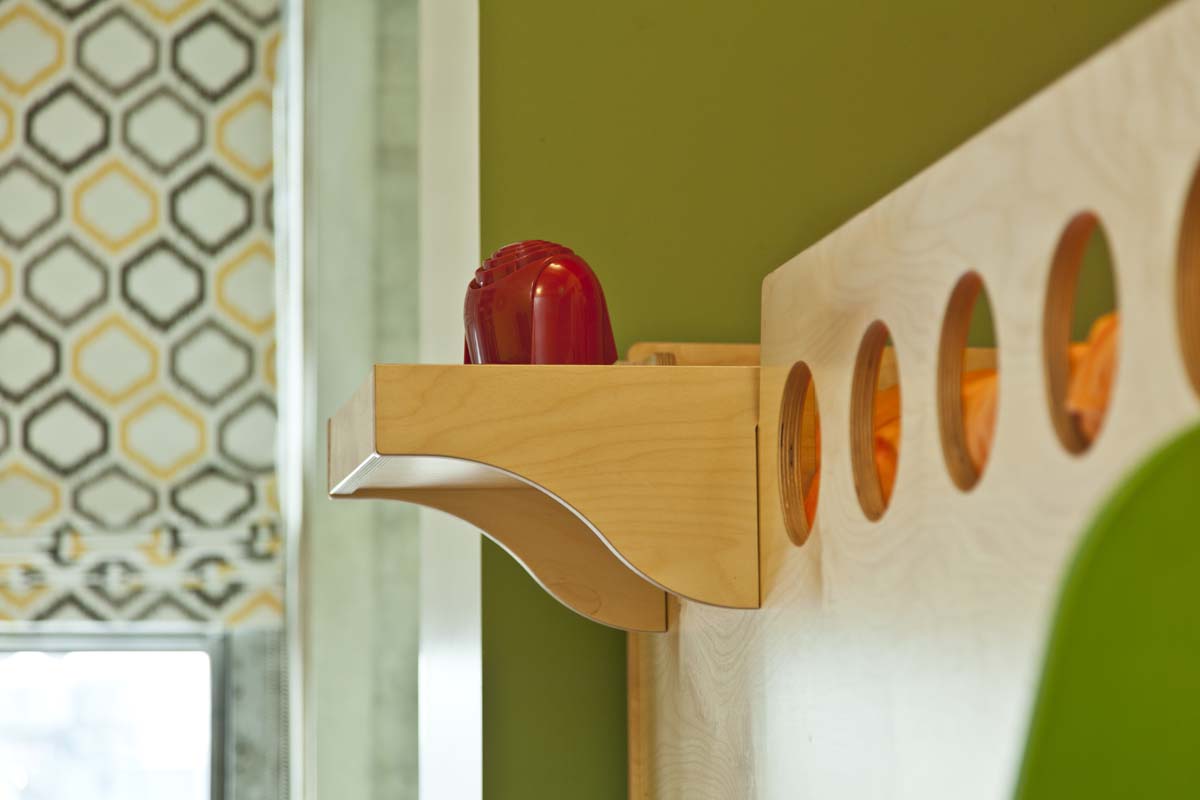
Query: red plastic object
x,y
537,302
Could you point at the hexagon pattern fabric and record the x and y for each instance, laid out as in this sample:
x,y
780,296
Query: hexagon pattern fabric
x,y
137,406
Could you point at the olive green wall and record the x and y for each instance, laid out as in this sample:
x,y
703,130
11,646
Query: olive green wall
x,y
686,148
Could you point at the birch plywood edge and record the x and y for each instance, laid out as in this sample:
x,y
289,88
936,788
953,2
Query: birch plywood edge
x,y
611,485
899,658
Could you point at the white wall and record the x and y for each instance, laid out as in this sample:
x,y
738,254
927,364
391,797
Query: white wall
x,y
451,668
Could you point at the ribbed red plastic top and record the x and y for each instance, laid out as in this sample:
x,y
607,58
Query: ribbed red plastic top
x,y
512,257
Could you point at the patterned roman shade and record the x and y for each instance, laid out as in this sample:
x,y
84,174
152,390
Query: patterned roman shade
x,y
137,386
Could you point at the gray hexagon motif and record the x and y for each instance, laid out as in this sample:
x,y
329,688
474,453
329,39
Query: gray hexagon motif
x,y
68,607
162,284
262,541
65,433
211,209
163,130
210,362
64,546
247,435
29,203
260,12
71,8
29,357
168,608
23,583
117,51
211,582
212,56
212,497
67,127
165,542
66,281
114,499
116,581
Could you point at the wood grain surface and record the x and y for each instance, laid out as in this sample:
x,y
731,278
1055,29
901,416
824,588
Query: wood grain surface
x,y
898,658
610,484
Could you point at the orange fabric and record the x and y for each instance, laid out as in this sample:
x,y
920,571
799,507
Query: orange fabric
x,y
979,414
887,447
887,438
1093,365
1090,388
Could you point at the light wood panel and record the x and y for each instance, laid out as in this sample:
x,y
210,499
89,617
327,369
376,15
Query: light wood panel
x,y
898,658
610,484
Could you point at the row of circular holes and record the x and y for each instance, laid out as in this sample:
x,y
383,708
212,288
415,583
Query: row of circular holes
x,y
799,439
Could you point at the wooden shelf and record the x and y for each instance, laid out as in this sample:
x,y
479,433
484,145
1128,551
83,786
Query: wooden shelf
x,y
611,485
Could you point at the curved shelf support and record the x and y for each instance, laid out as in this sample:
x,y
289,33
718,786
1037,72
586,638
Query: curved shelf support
x,y
610,484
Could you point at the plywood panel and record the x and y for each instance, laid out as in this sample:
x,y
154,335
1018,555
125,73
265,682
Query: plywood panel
x,y
898,658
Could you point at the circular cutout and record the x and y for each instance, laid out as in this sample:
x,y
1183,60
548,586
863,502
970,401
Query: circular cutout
x,y
967,381
1187,283
875,421
1079,333
799,453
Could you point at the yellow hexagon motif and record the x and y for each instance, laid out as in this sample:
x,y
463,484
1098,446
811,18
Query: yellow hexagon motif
x,y
115,206
163,435
168,10
214,577
271,494
71,546
246,287
114,360
31,49
271,56
262,607
27,499
6,125
15,589
6,280
244,135
158,549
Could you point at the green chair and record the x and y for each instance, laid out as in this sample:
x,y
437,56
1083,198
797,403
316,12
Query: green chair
x,y
1118,710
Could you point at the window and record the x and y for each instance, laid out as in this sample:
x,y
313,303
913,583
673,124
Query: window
x,y
123,716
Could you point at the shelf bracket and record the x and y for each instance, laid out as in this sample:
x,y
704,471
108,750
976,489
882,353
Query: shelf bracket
x,y
611,485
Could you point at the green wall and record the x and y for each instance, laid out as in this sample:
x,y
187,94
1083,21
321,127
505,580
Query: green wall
x,y
686,148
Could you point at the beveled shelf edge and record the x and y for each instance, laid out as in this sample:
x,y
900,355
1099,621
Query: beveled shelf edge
x,y
629,482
